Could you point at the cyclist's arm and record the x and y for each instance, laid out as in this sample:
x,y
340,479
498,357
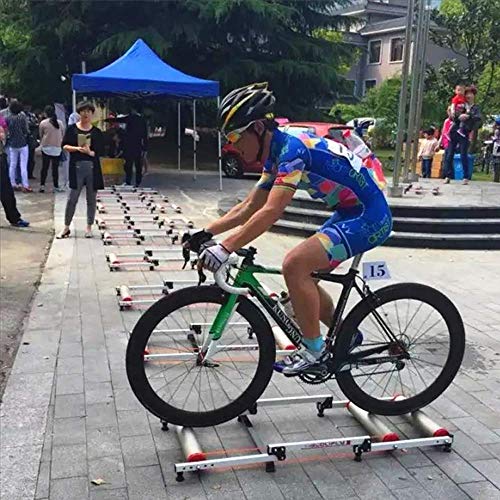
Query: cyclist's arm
x,y
241,212
285,185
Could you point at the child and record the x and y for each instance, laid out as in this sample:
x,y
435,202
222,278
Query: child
x,y
458,106
427,150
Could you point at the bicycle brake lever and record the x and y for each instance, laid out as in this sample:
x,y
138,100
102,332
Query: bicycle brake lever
x,y
201,277
186,254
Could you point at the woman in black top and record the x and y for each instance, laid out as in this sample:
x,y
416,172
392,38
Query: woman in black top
x,y
84,143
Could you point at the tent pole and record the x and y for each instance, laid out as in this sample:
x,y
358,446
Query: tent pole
x,y
178,135
194,139
219,150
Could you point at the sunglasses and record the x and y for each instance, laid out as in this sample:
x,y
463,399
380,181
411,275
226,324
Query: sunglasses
x,y
235,135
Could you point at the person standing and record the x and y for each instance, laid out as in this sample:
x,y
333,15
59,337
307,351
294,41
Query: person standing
x,y
7,197
32,139
471,120
135,144
17,141
427,151
51,136
84,143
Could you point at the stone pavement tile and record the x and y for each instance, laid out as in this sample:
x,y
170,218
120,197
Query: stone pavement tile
x,y
110,469
72,488
139,451
476,430
47,442
391,472
69,431
369,486
460,471
413,493
19,471
467,448
412,457
436,483
119,494
133,423
125,400
328,481
100,375
494,449
101,415
483,490
146,482
69,461
43,481
103,442
69,384
70,365
98,392
490,398
448,409
70,405
119,379
70,350
490,469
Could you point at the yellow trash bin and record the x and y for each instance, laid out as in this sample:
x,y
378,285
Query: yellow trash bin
x,y
112,170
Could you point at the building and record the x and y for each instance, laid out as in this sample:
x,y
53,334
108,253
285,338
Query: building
x,y
378,30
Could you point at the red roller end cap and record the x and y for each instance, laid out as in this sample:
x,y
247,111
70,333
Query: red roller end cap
x,y
391,436
441,433
347,404
290,347
127,299
196,457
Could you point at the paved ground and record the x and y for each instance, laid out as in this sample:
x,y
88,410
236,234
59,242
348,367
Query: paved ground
x,y
22,255
68,414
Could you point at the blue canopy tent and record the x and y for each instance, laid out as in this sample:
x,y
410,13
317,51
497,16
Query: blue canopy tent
x,y
141,73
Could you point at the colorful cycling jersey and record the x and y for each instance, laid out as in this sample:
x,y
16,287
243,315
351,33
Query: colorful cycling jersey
x,y
325,169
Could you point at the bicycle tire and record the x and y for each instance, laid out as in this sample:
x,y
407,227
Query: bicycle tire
x,y
347,382
157,312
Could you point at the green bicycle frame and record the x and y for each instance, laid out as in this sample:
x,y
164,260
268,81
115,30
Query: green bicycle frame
x,y
246,279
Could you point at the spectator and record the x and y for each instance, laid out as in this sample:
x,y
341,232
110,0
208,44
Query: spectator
x,y
73,118
7,197
444,140
51,136
458,106
495,155
471,121
32,139
17,141
84,143
135,144
4,107
427,151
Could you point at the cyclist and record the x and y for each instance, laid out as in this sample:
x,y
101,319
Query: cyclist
x,y
326,170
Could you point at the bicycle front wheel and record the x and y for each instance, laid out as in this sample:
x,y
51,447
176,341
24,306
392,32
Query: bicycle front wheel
x,y
165,371
413,342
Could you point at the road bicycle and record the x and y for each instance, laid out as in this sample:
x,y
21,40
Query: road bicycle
x,y
204,355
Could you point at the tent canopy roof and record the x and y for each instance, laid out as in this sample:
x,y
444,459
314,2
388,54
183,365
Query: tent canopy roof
x,y
141,73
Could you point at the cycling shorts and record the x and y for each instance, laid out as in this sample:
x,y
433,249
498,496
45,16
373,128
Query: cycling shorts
x,y
354,230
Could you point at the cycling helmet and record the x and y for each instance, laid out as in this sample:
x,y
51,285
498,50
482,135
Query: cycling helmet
x,y
245,105
497,120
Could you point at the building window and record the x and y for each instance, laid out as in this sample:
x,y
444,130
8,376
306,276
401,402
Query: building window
x,y
397,49
374,50
369,84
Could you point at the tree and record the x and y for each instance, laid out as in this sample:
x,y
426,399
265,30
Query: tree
x,y
471,28
233,41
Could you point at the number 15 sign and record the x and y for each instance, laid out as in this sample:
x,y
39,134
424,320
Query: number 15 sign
x,y
376,271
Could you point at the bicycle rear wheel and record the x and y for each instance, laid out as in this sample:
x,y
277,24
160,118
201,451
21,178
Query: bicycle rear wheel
x,y
413,345
169,379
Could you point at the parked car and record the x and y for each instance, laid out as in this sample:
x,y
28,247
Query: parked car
x,y
234,165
